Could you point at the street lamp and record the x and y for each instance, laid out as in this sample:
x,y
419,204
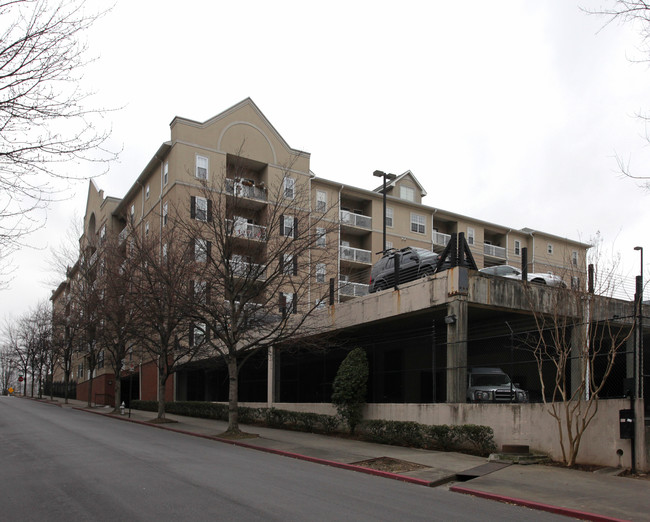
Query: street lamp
x,y
639,291
386,176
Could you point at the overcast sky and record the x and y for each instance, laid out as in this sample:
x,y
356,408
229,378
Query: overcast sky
x,y
510,112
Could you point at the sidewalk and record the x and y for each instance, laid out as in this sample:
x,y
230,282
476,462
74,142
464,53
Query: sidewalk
x,y
577,494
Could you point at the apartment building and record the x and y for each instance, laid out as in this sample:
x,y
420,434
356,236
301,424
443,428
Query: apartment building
x,y
241,152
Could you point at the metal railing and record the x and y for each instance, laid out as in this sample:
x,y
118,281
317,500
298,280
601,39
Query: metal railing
x,y
244,269
355,220
357,255
441,239
247,230
494,251
245,190
352,289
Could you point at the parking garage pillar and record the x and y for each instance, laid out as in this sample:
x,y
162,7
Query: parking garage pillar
x,y
456,321
270,377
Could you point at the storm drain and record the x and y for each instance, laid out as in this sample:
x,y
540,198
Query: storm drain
x,y
479,471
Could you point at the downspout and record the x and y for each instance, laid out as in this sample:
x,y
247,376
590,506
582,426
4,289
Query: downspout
x,y
507,245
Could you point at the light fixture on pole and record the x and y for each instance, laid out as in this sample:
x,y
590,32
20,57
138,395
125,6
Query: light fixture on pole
x,y
380,174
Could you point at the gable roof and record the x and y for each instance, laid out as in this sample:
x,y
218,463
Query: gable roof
x,y
392,183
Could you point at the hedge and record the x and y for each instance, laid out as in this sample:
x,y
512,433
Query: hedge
x,y
467,437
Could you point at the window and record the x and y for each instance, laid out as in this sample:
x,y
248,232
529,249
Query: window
x,y
100,360
289,264
389,245
549,249
320,237
575,283
574,258
165,173
199,209
417,223
164,252
80,371
407,193
288,303
320,272
102,234
320,304
146,192
289,188
200,291
201,250
288,226
389,217
517,247
321,201
470,235
164,214
132,213
198,334
146,229
202,167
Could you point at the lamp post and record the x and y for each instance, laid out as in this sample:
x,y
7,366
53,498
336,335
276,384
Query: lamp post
x,y
380,174
639,291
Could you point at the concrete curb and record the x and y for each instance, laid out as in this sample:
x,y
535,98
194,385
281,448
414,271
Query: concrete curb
x,y
574,513
316,460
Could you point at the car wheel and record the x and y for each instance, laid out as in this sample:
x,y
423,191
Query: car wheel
x,y
426,272
381,285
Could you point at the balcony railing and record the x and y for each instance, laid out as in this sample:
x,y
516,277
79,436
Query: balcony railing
x,y
244,269
247,230
352,289
242,189
355,220
441,239
494,251
357,255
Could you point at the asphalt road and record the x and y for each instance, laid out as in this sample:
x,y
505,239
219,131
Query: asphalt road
x,y
64,464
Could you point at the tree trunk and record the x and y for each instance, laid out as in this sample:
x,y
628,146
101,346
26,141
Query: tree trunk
x,y
90,390
233,412
118,392
161,389
66,383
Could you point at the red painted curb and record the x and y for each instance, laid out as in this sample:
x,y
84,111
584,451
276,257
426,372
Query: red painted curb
x,y
332,463
581,515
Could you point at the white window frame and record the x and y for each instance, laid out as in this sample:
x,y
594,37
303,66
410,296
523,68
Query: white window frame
x,y
321,201
389,245
289,185
202,167
517,247
407,193
201,250
389,217
287,264
165,214
471,235
164,251
288,229
165,173
201,209
321,272
574,258
418,223
147,192
321,237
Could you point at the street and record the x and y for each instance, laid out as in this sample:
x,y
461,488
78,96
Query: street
x,y
63,464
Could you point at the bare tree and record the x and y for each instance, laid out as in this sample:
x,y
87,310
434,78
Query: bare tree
x,y
45,123
7,368
163,267
265,267
577,338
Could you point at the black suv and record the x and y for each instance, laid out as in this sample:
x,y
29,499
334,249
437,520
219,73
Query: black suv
x,y
414,262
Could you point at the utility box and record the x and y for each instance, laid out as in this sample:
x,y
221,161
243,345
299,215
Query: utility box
x,y
626,424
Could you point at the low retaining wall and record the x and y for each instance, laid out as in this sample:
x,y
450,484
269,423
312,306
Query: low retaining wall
x,y
528,424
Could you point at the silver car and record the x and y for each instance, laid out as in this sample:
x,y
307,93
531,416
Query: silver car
x,y
512,272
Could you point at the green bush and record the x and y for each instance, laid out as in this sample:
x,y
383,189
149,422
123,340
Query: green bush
x,y
349,387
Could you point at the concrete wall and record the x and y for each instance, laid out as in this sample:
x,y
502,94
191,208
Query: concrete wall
x,y
528,424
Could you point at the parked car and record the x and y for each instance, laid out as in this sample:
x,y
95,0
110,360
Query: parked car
x,y
512,272
414,262
492,385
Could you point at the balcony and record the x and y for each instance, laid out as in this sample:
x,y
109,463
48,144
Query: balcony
x,y
441,239
247,191
248,270
494,251
355,255
349,289
246,230
350,219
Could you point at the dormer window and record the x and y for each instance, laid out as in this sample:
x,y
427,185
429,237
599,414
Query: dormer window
x,y
407,193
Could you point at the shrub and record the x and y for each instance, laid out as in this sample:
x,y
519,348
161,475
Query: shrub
x,y
349,388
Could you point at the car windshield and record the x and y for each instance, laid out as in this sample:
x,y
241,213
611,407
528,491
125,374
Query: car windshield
x,y
497,379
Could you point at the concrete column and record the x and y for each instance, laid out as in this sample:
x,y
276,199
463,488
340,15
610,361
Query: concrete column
x,y
270,377
457,350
